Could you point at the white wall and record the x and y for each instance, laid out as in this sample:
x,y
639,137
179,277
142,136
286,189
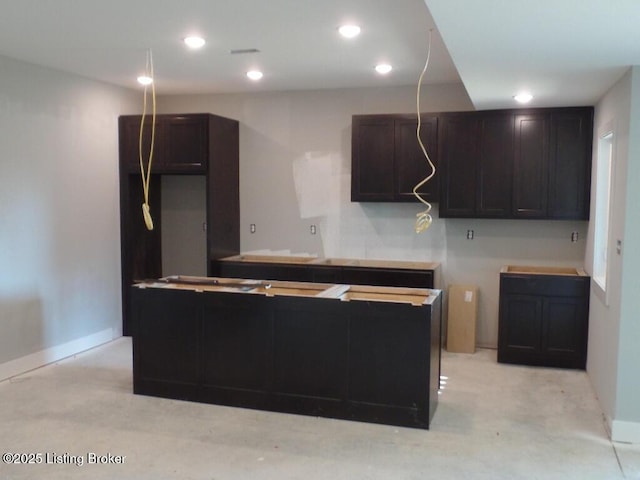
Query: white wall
x,y
295,170
59,210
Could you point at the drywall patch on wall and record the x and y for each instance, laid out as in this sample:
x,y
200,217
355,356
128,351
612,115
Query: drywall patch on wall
x,y
317,183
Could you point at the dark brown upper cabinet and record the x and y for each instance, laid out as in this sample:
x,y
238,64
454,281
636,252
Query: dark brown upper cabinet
x,y
457,142
552,163
475,164
531,165
493,191
516,163
570,164
180,142
387,161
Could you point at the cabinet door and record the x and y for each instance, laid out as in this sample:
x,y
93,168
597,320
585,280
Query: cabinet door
x,y
310,353
570,164
457,151
186,143
411,165
495,159
236,332
372,175
521,327
387,357
531,164
564,331
129,132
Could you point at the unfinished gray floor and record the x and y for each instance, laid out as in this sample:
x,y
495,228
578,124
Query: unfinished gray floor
x,y
493,421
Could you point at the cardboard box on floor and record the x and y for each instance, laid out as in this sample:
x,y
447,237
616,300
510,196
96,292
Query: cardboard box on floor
x,y
463,313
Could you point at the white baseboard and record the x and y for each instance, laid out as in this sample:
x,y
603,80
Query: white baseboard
x,y
625,432
53,354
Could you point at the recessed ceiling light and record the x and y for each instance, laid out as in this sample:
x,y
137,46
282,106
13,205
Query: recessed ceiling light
x,y
194,42
383,68
145,80
523,97
254,74
349,31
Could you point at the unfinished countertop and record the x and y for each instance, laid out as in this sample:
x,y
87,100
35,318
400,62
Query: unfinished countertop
x,y
413,296
341,262
543,270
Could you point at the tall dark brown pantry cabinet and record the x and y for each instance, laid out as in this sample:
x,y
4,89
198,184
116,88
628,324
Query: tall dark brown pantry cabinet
x,y
187,144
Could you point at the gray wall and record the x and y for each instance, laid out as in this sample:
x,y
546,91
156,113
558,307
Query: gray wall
x,y
614,329
604,321
184,211
59,208
628,391
295,170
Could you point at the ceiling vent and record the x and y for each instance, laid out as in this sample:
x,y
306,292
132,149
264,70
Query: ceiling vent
x,y
240,51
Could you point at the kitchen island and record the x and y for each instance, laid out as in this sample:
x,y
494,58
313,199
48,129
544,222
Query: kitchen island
x,y
359,353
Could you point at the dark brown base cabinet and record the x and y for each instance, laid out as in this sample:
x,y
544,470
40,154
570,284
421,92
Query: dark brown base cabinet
x,y
543,320
358,360
350,272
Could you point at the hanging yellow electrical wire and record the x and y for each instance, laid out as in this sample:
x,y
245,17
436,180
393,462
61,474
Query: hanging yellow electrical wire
x,y
424,219
146,175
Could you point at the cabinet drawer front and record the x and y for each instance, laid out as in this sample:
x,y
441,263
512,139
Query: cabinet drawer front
x,y
545,285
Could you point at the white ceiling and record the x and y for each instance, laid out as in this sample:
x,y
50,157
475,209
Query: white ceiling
x,y
298,42
567,52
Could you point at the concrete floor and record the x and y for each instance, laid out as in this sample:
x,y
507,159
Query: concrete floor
x,y
493,422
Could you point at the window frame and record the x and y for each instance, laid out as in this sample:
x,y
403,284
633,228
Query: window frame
x,y
603,201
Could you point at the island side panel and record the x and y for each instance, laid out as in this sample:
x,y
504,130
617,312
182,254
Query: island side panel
x,y
166,342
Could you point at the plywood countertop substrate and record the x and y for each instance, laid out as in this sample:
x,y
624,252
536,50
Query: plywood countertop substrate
x,y
543,270
343,262
414,296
